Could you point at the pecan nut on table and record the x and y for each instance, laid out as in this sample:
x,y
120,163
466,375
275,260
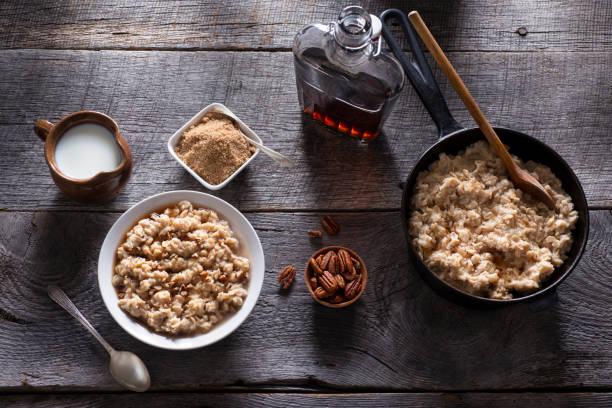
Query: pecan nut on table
x,y
286,277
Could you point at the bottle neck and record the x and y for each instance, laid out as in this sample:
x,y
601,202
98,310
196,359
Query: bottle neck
x,y
353,29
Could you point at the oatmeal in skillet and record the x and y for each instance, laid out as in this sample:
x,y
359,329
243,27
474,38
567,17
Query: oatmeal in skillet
x,y
478,232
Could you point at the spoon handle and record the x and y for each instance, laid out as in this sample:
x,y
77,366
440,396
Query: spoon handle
x,y
59,297
279,158
276,156
465,95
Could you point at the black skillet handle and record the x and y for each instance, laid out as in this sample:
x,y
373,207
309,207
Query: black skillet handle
x,y
419,73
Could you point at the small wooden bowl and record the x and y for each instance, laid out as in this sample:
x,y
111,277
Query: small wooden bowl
x,y
364,276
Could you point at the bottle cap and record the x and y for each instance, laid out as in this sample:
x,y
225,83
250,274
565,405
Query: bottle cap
x,y
376,27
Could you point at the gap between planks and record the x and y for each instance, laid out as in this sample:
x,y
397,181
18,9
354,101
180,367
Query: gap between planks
x,y
322,391
250,210
288,49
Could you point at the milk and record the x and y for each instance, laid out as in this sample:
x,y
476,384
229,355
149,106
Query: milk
x,y
85,150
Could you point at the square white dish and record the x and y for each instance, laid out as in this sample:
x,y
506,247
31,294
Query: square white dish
x,y
214,107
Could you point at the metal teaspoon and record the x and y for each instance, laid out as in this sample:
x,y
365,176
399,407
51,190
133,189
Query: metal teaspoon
x,y
125,367
273,154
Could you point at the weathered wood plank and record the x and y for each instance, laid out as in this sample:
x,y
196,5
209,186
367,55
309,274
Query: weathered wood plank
x,y
268,24
153,400
563,99
399,336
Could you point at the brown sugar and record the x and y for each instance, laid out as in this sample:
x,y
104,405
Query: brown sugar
x,y
214,148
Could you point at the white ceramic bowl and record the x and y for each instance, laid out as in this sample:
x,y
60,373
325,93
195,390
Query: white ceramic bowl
x,y
243,231
215,107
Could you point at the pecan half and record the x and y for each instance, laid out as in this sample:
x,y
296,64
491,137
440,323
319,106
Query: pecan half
x,y
286,277
341,263
315,234
319,259
341,282
337,298
328,282
349,272
352,288
320,293
313,283
333,265
347,260
325,260
356,264
315,266
330,225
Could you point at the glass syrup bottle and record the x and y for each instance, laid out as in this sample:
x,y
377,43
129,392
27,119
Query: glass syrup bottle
x,y
343,79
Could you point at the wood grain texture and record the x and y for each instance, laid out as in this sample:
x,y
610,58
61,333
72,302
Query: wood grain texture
x,y
537,66
563,99
399,336
268,24
421,400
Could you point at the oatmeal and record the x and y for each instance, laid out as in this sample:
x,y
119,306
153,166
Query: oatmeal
x,y
178,272
473,228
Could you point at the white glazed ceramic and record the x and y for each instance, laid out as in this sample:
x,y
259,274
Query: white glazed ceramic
x,y
215,107
243,231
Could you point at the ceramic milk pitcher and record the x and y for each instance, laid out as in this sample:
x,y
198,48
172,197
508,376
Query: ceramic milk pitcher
x,y
88,158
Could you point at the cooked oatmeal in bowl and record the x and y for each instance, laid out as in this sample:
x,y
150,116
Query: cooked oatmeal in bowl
x,y
178,271
181,270
479,233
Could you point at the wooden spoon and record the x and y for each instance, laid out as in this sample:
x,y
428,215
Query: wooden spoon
x,y
520,177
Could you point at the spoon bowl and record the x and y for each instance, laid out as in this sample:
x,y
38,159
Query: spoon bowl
x,y
129,370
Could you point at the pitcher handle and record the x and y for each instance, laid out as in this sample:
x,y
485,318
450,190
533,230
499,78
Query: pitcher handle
x,y
43,128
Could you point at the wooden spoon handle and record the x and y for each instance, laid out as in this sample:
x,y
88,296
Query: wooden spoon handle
x,y
471,105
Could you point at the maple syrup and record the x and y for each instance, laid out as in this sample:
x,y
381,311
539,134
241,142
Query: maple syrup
x,y
342,81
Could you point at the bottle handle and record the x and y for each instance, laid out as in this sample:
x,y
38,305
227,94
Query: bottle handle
x,y
43,128
419,73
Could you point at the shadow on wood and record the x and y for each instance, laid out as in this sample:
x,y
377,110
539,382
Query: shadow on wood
x,y
340,163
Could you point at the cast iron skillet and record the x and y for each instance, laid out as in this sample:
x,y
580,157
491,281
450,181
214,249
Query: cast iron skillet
x,y
454,138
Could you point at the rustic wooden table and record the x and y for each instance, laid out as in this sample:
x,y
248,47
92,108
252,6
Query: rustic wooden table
x,y
538,66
